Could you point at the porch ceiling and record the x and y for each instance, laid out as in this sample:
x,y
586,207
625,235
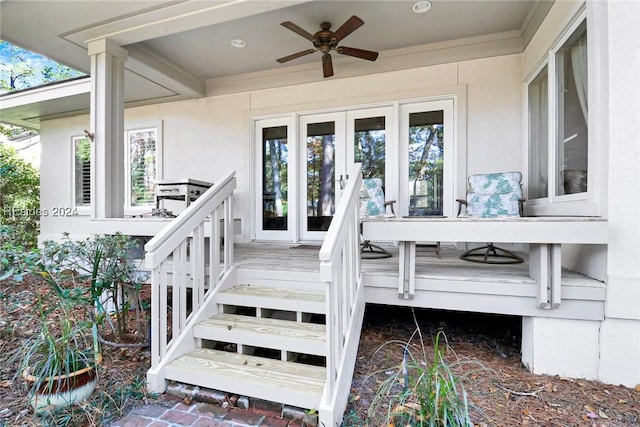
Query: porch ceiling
x,y
175,46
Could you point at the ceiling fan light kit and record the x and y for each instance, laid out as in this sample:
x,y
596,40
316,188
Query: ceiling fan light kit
x,y
326,41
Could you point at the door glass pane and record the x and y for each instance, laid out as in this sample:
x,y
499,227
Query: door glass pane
x,y
369,147
320,146
571,61
426,163
275,169
538,135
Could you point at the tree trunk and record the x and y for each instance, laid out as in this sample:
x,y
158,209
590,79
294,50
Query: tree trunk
x,y
325,199
275,176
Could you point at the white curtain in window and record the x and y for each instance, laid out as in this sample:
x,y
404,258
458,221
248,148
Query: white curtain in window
x,y
539,107
579,64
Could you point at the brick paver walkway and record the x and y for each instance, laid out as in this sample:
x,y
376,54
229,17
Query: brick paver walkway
x,y
172,412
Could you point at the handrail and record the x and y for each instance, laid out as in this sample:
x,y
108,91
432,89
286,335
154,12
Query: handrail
x,y
163,243
341,272
179,258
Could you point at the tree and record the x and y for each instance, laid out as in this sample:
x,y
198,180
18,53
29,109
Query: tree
x,y
19,197
22,69
15,70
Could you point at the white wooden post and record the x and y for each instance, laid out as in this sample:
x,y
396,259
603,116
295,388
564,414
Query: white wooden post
x,y
107,126
545,264
407,276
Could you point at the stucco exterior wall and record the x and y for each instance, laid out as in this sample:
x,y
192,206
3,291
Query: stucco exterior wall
x,y
206,138
614,102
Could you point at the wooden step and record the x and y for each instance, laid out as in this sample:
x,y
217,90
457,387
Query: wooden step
x,y
297,300
268,379
283,335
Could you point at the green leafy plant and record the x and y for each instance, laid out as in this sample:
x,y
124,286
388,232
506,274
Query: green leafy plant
x,y
19,199
97,274
421,391
15,260
63,345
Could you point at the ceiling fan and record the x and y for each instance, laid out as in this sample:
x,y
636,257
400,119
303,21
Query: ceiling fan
x,y
326,40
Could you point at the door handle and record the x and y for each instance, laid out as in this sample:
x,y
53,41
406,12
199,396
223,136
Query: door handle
x,y
343,181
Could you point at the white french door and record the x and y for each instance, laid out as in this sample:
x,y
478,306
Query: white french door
x,y
302,166
427,150
322,167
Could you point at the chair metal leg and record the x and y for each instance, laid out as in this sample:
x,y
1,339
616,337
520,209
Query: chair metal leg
x,y
371,251
490,254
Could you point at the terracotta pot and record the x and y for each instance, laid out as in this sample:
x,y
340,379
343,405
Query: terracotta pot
x,y
64,390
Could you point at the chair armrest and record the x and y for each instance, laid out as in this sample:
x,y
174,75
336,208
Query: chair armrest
x,y
460,203
390,203
521,206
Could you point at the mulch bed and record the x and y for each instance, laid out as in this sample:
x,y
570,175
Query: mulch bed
x,y
500,390
121,374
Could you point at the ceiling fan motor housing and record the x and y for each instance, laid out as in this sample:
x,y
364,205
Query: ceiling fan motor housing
x,y
325,39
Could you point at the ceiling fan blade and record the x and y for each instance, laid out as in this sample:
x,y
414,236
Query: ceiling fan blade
x,y
327,65
295,55
293,27
348,27
358,53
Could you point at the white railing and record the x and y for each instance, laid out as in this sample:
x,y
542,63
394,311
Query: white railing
x,y
180,259
340,271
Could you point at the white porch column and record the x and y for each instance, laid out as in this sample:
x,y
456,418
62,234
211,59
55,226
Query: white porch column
x,y
107,125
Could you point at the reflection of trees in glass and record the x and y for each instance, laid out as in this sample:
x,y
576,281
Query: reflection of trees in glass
x,y
320,175
369,150
426,161
142,151
276,169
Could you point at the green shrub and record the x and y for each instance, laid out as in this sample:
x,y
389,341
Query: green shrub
x,y
19,199
97,274
15,260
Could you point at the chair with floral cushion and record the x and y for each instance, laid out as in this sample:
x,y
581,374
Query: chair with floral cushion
x,y
373,205
494,195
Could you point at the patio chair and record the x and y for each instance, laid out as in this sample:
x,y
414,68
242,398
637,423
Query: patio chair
x,y
494,195
373,205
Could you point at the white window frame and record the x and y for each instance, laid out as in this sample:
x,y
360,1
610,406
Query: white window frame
x,y
578,204
79,209
157,125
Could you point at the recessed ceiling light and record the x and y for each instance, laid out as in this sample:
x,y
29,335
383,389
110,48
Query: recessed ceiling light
x,y
238,43
422,6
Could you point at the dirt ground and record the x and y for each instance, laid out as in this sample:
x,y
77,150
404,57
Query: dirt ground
x,y
500,390
485,352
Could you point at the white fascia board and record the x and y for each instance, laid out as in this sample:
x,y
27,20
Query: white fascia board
x,y
45,93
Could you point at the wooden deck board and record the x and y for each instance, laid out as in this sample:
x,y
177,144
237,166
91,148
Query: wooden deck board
x,y
283,335
428,266
275,380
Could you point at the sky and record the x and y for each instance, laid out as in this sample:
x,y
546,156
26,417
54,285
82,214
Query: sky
x,y
12,57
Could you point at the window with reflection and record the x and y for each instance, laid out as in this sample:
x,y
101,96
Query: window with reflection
x,y
275,170
320,146
426,163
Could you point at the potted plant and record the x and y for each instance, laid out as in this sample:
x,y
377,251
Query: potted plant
x,y
59,363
